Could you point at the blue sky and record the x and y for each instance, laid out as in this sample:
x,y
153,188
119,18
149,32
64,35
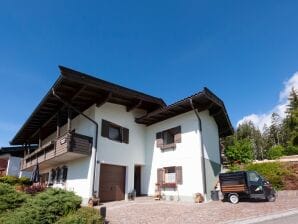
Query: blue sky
x,y
242,50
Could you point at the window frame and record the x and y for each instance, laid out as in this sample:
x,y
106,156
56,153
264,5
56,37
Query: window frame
x,y
123,132
161,176
162,142
119,129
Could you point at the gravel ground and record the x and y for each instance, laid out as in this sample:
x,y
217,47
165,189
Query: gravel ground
x,y
146,210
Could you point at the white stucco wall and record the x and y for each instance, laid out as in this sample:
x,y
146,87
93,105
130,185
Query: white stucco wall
x,y
186,154
13,166
116,153
80,172
210,137
142,150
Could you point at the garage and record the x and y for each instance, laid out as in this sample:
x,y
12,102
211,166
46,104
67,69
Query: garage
x,y
112,183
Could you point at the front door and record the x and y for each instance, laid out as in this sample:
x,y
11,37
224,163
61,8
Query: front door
x,y
137,180
112,183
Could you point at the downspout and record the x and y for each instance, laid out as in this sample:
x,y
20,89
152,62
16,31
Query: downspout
x,y
94,193
202,149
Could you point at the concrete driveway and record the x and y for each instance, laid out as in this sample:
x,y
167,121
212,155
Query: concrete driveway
x,y
146,210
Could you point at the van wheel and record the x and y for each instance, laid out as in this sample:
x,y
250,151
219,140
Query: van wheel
x,y
271,198
234,198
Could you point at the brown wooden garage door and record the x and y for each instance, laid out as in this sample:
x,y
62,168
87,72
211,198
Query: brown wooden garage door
x,y
112,183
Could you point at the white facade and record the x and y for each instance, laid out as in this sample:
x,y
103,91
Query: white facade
x,y
13,165
142,150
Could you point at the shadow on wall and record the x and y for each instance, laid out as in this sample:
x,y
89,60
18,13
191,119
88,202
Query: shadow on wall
x,y
79,169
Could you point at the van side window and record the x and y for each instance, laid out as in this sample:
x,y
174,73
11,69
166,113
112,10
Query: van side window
x,y
253,177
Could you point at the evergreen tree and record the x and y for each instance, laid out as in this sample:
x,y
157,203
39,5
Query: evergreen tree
x,y
292,118
250,131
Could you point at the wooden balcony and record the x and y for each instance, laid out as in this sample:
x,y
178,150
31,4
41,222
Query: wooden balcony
x,y
68,147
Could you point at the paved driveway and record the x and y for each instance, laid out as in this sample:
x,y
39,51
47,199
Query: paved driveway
x,y
146,210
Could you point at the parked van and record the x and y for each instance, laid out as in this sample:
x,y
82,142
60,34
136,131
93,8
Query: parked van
x,y
245,184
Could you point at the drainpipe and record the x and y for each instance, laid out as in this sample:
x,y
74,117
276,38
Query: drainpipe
x,y
94,193
202,148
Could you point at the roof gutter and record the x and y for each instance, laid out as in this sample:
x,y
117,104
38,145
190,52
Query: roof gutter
x,y
94,193
204,179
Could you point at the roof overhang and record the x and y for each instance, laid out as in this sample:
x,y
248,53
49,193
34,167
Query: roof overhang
x,y
17,151
204,100
82,91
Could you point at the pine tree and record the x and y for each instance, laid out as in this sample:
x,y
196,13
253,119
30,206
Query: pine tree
x,y
292,111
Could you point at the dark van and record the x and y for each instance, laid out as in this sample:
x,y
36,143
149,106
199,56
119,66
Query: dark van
x,y
245,184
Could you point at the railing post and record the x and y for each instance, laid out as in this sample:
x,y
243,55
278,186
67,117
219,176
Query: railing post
x,y
58,125
68,120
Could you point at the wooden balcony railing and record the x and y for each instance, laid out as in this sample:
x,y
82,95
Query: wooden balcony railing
x,y
67,147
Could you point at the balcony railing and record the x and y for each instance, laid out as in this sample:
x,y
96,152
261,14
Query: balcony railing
x,y
69,146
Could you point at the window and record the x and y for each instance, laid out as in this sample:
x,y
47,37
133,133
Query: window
x,y
168,138
58,175
114,132
169,176
64,173
253,177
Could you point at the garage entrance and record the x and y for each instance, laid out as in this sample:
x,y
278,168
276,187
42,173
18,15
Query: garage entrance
x,y
112,183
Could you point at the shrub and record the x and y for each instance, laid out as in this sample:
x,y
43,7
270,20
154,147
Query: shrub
x,y
9,180
291,150
82,216
25,181
12,180
240,151
273,172
10,198
44,208
275,152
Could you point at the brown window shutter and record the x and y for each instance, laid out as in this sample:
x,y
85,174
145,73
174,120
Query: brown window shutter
x,y
177,135
104,128
179,179
159,140
125,135
160,175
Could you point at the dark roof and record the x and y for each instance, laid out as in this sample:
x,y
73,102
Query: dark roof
x,y
204,100
82,91
14,151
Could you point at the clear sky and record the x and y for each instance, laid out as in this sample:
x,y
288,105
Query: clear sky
x,y
242,50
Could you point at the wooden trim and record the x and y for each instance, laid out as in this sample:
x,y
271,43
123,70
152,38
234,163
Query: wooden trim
x,y
179,176
69,142
136,105
104,99
124,132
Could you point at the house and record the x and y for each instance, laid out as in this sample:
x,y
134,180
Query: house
x,y
10,161
103,140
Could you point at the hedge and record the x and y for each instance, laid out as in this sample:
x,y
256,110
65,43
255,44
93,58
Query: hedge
x,y
44,208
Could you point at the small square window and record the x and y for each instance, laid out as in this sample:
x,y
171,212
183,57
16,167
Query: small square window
x,y
168,137
115,133
170,175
